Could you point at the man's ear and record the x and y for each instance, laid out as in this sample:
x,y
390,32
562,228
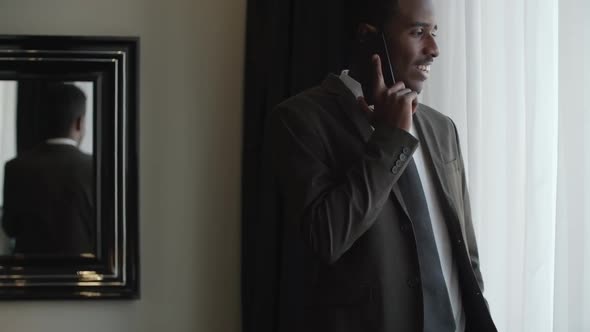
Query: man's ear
x,y
79,123
363,30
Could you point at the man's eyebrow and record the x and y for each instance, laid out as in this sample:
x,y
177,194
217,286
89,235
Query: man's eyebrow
x,y
422,25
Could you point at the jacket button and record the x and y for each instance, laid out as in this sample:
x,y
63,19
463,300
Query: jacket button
x,y
403,157
395,169
398,163
406,151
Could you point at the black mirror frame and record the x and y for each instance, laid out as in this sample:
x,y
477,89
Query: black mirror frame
x,y
112,63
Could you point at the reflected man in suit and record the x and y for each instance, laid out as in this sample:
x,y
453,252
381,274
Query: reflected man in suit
x,y
375,216
48,191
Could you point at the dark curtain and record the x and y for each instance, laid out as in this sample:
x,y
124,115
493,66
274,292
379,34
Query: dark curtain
x,y
291,45
29,119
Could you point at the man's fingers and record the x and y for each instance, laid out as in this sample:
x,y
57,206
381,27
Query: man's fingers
x,y
397,87
379,84
411,98
399,93
415,104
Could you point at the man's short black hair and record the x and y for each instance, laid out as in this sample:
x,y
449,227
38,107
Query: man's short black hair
x,y
63,103
374,12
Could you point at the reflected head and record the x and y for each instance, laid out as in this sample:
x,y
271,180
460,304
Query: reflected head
x,y
65,106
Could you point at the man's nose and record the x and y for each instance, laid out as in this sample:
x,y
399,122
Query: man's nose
x,y
431,47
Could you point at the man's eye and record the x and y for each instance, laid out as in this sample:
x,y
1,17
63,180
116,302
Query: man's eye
x,y
418,32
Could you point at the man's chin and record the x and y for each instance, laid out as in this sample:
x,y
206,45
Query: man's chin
x,y
415,86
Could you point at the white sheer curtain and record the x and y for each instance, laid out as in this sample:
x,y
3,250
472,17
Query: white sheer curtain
x,y
515,77
86,145
7,127
8,100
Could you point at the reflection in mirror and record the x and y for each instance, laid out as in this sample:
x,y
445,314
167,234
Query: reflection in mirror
x,y
47,169
68,167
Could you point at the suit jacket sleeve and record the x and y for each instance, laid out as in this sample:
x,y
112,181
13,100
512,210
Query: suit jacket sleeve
x,y
333,205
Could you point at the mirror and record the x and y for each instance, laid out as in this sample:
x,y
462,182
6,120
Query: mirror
x,y
47,201
68,167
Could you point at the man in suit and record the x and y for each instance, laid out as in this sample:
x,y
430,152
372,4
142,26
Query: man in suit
x,y
48,191
375,219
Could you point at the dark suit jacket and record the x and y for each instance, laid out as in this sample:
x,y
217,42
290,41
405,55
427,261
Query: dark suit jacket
x,y
48,201
348,258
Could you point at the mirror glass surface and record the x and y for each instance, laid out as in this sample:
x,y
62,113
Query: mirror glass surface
x,y
68,167
47,168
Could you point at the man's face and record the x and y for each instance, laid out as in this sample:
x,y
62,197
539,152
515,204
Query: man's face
x,y
411,42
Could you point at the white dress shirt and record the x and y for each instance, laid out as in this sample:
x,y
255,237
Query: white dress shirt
x,y
439,227
63,141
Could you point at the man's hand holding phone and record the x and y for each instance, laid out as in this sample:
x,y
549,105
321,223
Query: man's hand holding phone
x,y
394,105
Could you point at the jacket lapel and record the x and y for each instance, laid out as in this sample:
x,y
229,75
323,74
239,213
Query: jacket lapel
x,y
436,163
398,195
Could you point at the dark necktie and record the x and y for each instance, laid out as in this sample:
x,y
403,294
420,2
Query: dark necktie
x,y
438,314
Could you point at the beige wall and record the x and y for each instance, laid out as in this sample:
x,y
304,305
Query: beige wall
x,y
191,109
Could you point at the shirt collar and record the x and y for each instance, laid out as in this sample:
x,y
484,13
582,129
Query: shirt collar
x,y
353,85
63,141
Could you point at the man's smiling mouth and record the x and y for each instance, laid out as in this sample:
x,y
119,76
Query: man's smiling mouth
x,y
424,68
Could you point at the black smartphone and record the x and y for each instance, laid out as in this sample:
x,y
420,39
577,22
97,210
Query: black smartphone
x,y
377,44
386,66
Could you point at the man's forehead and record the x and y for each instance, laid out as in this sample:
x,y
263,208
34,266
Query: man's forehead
x,y
417,11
